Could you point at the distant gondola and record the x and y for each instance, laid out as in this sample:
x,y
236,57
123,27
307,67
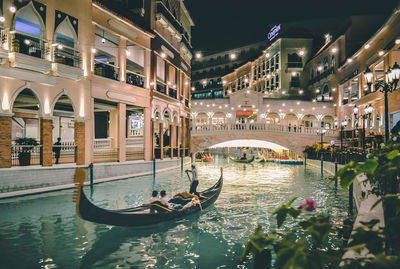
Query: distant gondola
x,y
141,215
240,160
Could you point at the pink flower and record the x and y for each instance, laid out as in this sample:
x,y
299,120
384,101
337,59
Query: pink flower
x,y
310,205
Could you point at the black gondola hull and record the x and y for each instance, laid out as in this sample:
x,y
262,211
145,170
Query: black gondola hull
x,y
139,216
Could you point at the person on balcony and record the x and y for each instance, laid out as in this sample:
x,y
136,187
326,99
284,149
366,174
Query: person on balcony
x,y
57,149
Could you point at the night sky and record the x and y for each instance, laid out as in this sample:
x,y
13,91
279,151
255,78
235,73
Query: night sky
x,y
226,24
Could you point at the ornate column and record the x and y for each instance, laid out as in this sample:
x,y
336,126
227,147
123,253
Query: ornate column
x,y
46,140
5,140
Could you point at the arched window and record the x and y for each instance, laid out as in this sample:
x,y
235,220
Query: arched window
x,y
28,21
65,37
65,34
30,30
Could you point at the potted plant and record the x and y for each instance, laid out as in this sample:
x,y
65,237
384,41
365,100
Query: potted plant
x,y
24,152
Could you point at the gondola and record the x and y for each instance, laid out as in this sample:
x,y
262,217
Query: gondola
x,y
141,215
241,161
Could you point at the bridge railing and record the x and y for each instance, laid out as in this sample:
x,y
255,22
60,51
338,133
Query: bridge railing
x,y
260,127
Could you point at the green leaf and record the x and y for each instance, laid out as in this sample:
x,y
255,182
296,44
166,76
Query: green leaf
x,y
347,177
368,167
391,155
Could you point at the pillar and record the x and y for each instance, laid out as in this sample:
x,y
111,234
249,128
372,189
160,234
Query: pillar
x,y
46,140
121,132
178,135
122,59
80,142
188,135
148,135
161,134
5,140
172,138
183,126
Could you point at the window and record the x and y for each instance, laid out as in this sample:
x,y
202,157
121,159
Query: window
x,y
65,35
106,56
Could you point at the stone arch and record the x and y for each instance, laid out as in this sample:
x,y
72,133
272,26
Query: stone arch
x,y
329,121
310,120
18,91
156,110
216,118
290,118
65,92
26,12
272,118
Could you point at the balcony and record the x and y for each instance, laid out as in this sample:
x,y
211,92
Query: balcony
x,y
172,93
3,46
322,76
106,70
29,52
162,11
161,87
134,79
66,62
294,66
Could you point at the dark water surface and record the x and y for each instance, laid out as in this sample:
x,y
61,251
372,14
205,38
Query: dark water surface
x,y
43,231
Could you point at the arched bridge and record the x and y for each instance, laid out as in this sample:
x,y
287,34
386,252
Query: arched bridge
x,y
294,139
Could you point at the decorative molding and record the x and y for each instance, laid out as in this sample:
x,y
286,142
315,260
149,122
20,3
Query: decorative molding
x,y
27,76
121,96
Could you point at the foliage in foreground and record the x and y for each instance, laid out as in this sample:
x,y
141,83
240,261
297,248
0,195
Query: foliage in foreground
x,y
305,245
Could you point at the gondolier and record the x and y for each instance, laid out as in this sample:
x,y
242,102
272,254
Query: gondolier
x,y
194,182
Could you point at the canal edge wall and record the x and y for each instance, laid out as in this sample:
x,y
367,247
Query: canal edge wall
x,y
20,181
363,201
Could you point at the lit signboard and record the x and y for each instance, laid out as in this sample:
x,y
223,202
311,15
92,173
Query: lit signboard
x,y
246,112
274,32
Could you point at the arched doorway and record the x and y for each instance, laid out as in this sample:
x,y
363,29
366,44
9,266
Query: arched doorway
x,y
218,119
25,131
291,122
327,122
272,118
309,121
63,130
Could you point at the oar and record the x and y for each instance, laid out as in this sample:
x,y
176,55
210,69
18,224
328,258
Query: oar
x,y
188,176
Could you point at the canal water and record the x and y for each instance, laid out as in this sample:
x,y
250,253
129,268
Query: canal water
x,y
43,231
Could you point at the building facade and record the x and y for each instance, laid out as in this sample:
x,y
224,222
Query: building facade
x,y
112,81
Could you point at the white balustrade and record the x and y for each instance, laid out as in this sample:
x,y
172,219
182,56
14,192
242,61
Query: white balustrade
x,y
260,127
102,143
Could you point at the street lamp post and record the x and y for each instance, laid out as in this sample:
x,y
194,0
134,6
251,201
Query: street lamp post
x,y
367,115
356,117
392,78
342,127
322,132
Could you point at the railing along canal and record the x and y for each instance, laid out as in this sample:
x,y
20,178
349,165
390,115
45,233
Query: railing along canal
x,y
260,127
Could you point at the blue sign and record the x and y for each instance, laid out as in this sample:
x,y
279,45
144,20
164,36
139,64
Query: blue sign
x,y
274,32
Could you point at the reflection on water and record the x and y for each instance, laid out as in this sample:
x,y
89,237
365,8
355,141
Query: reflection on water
x,y
44,231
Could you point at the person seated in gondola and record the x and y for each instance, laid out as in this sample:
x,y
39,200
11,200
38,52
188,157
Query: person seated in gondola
x,y
154,197
194,202
244,157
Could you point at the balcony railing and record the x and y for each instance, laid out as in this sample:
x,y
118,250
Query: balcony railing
x,y
259,127
161,87
106,70
64,153
67,55
135,79
323,75
25,155
295,65
102,143
29,45
172,93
